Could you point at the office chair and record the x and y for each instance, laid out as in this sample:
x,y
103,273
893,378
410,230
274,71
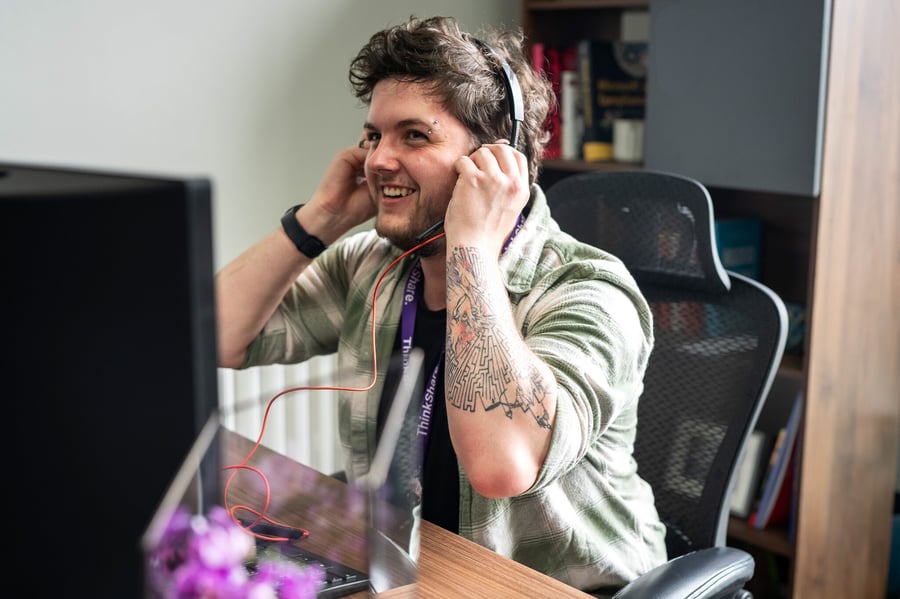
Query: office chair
x,y
719,340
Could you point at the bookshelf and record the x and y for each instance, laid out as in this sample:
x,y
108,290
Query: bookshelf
x,y
830,244
774,539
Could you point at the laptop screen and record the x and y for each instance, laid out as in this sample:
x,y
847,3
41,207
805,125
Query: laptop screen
x,y
391,485
363,535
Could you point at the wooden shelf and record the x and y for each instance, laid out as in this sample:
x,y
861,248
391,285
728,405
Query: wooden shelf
x,y
560,22
581,4
792,366
576,166
770,539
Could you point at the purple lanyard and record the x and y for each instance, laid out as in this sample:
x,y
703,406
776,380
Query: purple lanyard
x,y
407,327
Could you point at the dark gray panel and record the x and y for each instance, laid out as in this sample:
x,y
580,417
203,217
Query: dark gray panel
x,y
735,94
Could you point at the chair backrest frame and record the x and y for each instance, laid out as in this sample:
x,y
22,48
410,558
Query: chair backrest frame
x,y
720,338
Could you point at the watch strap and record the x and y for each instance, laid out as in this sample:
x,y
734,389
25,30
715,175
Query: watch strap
x,y
308,245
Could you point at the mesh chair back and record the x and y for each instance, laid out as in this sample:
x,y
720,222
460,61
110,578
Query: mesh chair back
x,y
719,339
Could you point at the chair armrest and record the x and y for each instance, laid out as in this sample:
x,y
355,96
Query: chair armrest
x,y
716,572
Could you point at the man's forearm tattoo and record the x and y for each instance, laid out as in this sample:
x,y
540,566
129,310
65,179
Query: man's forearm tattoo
x,y
480,365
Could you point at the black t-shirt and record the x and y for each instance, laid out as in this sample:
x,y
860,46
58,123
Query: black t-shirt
x,y
440,472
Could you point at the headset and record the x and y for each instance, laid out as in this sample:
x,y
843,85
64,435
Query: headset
x,y
516,110
513,90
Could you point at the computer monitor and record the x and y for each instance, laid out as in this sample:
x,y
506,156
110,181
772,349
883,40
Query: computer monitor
x,y
108,319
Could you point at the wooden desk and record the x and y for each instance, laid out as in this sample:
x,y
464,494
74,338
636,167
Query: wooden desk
x,y
449,565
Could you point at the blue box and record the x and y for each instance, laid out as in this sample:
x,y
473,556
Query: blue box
x,y
738,241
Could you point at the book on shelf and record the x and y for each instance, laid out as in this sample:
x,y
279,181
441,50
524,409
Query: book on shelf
x,y
555,62
779,513
774,507
612,77
795,494
747,479
770,468
545,59
570,116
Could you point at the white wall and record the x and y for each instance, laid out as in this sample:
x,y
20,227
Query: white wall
x,y
251,93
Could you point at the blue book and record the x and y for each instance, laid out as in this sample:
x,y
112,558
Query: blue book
x,y
775,480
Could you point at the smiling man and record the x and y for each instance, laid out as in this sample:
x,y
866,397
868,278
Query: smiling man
x,y
535,345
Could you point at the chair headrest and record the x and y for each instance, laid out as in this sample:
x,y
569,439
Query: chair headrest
x,y
659,224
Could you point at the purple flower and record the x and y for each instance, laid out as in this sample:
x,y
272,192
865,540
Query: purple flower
x,y
203,558
290,580
173,545
217,542
195,581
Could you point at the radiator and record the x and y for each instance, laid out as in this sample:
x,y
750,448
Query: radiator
x,y
301,425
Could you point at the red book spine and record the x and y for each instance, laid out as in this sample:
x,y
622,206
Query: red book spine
x,y
553,147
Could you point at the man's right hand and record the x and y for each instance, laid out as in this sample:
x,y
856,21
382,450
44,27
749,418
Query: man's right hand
x,y
342,200
250,287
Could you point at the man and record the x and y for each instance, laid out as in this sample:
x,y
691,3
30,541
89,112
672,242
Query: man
x,y
535,344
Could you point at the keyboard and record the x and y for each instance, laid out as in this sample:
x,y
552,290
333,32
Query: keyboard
x,y
340,579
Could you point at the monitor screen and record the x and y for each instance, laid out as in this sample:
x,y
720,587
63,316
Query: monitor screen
x,y
110,371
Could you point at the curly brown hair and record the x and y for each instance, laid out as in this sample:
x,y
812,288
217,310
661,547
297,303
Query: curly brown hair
x,y
466,79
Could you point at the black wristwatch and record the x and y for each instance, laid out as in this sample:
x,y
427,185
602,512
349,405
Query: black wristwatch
x,y
308,245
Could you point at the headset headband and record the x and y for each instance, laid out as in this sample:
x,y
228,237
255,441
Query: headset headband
x,y
513,91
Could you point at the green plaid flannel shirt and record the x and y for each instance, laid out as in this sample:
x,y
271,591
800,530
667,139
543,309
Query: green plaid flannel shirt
x,y
589,520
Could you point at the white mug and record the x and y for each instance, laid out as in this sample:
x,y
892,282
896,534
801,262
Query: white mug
x,y
628,140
